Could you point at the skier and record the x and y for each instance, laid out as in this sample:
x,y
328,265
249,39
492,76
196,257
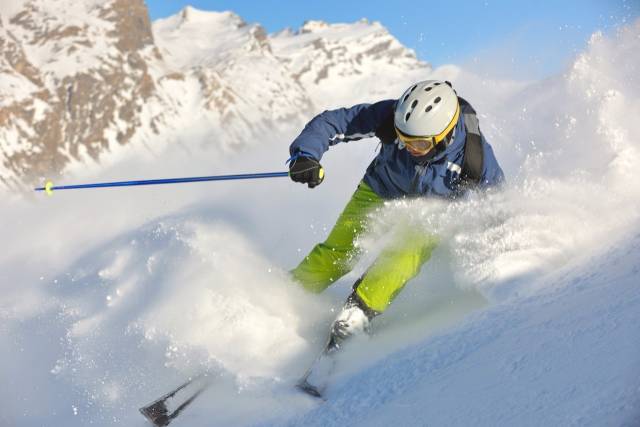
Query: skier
x,y
431,147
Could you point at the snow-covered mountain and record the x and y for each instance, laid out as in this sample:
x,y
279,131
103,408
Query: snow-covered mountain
x,y
78,84
341,64
75,78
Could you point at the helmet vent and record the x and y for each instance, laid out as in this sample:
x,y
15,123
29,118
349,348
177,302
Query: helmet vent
x,y
406,95
424,108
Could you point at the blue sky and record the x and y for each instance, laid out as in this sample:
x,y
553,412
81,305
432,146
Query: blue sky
x,y
524,39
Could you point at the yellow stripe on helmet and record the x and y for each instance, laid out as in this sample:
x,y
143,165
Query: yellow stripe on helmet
x,y
449,127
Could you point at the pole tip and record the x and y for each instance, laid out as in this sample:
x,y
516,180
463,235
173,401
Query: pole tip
x,y
48,188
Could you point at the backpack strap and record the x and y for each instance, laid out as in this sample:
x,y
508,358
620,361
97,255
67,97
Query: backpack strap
x,y
473,162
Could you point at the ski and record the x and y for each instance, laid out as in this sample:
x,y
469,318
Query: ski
x,y
163,410
315,380
351,320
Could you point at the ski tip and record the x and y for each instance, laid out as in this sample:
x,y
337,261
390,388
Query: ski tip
x,y
156,414
309,389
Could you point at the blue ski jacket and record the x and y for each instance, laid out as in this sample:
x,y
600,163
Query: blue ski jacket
x,y
394,172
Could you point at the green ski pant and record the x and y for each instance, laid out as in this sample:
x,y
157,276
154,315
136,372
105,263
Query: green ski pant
x,y
398,263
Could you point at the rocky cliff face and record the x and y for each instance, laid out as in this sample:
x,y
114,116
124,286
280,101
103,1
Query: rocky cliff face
x,y
80,78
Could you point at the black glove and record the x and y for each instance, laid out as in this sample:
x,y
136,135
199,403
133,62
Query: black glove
x,y
306,170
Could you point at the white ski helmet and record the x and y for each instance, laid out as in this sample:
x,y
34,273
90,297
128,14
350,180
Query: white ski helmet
x,y
428,109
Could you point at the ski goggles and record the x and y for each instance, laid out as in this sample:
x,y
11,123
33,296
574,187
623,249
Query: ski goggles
x,y
424,144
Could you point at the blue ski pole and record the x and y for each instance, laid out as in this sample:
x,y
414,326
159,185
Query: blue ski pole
x,y
49,187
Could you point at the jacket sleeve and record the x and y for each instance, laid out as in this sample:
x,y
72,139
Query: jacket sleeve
x,y
341,125
492,174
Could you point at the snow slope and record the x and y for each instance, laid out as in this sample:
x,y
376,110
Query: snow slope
x,y
566,355
526,315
